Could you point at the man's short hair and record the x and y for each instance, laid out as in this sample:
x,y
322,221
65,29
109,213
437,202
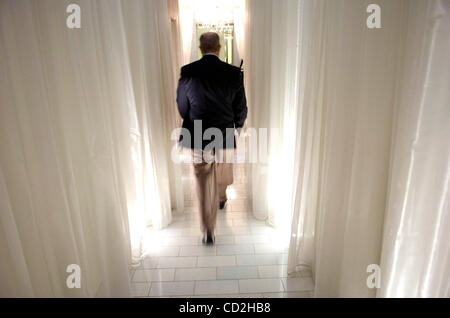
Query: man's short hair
x,y
209,42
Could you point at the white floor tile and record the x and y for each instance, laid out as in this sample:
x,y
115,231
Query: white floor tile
x,y
199,250
303,294
241,222
172,289
237,272
262,230
305,273
235,249
215,261
243,263
180,241
241,296
249,222
238,230
260,285
186,232
216,287
298,284
153,275
239,205
261,259
140,289
237,215
261,248
162,251
251,239
191,274
225,223
149,262
224,240
176,262
272,271
182,224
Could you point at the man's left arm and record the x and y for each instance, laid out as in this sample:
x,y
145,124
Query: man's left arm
x,y
240,104
182,99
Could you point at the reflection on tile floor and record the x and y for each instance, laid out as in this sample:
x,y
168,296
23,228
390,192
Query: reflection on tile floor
x,y
247,261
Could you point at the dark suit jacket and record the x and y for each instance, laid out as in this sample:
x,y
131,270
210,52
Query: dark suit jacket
x,y
211,91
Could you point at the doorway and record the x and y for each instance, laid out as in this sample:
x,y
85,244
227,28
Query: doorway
x,y
247,260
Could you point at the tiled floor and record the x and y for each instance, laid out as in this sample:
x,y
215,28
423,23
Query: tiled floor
x,y
243,263
247,260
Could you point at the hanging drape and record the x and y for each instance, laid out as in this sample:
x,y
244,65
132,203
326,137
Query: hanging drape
x,y
347,117
84,119
415,258
271,60
359,153
188,31
373,149
147,33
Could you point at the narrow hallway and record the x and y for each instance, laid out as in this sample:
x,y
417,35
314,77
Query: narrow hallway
x,y
340,113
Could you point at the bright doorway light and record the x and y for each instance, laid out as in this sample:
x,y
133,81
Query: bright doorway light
x,y
225,17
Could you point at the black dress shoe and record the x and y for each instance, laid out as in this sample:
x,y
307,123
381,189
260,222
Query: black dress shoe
x,y
222,204
208,239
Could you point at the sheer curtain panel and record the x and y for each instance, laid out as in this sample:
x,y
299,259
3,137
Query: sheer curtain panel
x,y
374,146
84,120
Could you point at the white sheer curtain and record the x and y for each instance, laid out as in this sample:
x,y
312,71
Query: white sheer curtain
x,y
348,101
83,158
147,33
360,163
374,149
415,258
188,31
271,60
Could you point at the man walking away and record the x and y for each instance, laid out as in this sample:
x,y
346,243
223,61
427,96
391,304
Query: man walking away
x,y
212,92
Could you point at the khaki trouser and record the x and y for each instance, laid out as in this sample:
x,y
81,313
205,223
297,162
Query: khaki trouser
x,y
212,180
